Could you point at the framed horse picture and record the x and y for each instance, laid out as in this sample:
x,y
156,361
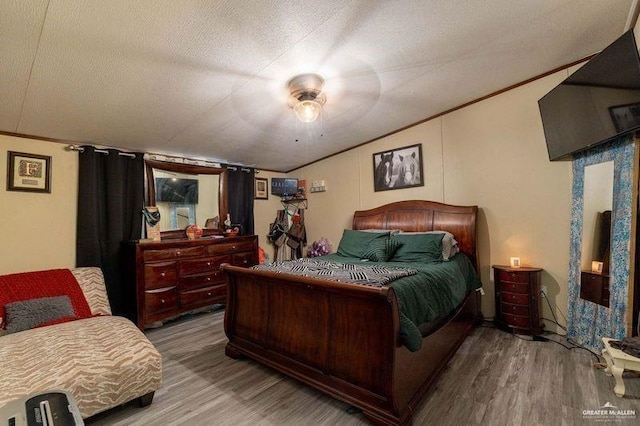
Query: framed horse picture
x,y
398,168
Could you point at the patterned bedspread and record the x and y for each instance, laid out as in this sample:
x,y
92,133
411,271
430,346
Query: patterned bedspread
x,y
375,275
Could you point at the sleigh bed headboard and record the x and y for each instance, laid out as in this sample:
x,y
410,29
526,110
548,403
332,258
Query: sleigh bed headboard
x,y
420,215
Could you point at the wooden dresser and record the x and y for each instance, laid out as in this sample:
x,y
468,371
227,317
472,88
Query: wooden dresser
x,y
176,276
518,299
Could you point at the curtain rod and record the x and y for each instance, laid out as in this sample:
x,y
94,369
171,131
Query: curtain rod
x,y
101,151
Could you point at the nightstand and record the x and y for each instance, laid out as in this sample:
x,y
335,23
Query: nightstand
x,y
594,286
518,299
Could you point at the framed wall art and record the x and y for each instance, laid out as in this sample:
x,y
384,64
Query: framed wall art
x,y
398,168
28,172
262,188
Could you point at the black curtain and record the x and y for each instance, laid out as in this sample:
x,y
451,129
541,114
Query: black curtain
x,y
110,200
240,184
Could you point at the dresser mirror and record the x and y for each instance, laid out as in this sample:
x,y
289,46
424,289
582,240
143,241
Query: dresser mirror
x,y
186,194
596,215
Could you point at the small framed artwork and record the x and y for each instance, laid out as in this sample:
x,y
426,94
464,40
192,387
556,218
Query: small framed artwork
x,y
28,172
262,188
398,168
514,262
625,117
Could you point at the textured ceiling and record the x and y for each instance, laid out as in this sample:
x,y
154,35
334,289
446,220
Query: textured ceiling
x,y
207,79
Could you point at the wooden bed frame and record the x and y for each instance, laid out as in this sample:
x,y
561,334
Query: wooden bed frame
x,y
343,339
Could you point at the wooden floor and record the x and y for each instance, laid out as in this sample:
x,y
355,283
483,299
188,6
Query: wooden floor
x,y
494,379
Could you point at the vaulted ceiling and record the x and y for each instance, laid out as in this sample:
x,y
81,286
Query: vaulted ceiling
x,y
207,79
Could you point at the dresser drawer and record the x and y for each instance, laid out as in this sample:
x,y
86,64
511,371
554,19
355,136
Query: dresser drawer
x,y
203,296
515,298
161,300
160,274
202,280
514,277
203,265
232,247
244,259
522,310
522,288
517,321
173,253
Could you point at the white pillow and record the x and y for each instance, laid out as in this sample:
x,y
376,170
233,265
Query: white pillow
x,y
449,243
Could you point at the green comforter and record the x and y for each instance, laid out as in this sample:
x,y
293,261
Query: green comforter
x,y
431,295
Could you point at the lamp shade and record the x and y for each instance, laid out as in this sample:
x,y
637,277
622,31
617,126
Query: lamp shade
x,y
307,111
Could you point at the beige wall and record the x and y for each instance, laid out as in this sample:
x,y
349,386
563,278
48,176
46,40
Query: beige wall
x,y
38,230
491,154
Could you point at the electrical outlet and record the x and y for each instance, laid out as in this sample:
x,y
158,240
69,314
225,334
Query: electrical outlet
x,y
544,290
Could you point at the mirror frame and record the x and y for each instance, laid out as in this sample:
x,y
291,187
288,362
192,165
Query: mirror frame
x,y
150,191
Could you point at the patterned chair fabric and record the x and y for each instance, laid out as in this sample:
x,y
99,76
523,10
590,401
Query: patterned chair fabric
x,y
103,361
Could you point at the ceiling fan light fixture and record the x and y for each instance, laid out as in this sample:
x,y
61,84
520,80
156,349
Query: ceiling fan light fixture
x,y
307,111
306,90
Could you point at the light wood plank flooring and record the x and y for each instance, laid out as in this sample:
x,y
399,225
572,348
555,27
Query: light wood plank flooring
x,y
494,379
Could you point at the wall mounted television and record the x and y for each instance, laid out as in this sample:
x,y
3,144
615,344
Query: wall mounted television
x,y
598,102
175,190
284,186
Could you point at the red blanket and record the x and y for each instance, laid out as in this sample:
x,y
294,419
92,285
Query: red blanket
x,y
34,285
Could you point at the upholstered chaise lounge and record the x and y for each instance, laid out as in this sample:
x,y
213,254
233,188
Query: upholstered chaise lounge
x,y
102,360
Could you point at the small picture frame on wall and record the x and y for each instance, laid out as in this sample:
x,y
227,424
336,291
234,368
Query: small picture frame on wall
x,y
28,172
262,189
398,168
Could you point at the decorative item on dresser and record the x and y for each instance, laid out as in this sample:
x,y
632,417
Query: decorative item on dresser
x,y
518,299
177,276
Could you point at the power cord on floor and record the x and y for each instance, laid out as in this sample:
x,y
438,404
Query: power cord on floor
x,y
555,321
544,295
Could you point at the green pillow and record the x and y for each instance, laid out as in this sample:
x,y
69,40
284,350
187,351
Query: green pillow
x,y
418,248
381,250
356,243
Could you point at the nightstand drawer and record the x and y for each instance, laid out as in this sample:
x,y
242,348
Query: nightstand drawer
x,y
515,277
521,310
522,288
515,298
517,321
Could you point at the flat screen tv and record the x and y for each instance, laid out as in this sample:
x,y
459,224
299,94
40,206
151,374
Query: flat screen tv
x,y
598,102
174,190
284,186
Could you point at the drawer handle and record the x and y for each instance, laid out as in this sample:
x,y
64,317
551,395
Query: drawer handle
x,y
208,263
178,253
161,300
233,247
208,279
209,294
162,274
245,261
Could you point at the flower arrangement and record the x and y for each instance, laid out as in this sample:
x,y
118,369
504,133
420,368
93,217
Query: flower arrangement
x,y
319,248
